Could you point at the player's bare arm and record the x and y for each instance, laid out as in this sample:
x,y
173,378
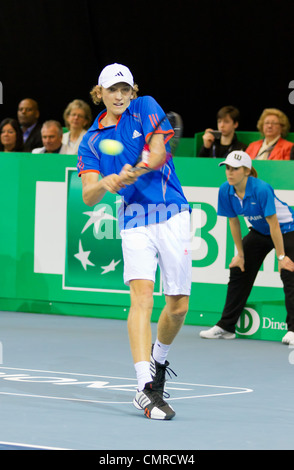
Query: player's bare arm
x,y
156,159
95,189
157,156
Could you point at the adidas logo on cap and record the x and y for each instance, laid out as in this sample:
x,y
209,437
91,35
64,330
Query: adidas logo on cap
x,y
115,73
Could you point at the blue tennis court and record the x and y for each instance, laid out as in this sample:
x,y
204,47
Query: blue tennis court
x,y
68,383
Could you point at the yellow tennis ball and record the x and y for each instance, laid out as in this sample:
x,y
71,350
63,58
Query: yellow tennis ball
x,y
111,147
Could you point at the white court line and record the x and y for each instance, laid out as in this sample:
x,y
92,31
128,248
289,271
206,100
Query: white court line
x,y
68,373
29,446
48,397
234,390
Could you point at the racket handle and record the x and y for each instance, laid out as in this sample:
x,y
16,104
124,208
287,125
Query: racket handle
x,y
140,168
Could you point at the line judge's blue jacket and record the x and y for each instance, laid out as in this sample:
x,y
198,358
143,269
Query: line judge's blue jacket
x,y
258,203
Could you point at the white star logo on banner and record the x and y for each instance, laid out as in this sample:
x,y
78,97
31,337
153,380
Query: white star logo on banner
x,y
110,267
83,256
96,217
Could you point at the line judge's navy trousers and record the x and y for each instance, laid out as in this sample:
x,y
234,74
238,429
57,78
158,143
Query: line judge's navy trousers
x,y
256,247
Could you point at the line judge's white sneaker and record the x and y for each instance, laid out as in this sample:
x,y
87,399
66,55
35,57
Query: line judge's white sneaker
x,y
289,338
217,332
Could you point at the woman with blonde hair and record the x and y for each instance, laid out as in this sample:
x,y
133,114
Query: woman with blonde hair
x,y
77,118
274,125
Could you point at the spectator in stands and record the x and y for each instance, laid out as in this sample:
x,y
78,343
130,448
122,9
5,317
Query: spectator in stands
x,y
219,147
11,139
274,125
77,118
28,117
52,133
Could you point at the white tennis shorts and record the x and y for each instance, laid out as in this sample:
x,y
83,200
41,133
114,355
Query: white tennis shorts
x,y
167,244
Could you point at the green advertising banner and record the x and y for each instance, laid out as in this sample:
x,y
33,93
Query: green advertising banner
x,y
93,258
60,256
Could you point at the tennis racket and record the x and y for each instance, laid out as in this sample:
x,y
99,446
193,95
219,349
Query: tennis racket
x,y
176,123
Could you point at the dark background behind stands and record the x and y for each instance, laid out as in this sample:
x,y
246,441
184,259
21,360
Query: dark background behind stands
x,y
192,56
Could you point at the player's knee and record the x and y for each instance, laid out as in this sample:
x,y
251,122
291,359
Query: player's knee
x,y
178,306
141,294
179,311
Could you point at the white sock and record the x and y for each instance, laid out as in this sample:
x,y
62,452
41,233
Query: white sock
x,y
160,351
143,373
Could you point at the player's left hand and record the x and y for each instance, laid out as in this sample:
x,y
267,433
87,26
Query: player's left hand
x,y
128,177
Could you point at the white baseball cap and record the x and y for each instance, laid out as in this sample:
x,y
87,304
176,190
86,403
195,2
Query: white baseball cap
x,y
115,73
237,158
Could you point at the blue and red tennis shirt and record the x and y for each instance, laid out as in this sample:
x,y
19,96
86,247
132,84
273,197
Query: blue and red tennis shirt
x,y
155,196
258,203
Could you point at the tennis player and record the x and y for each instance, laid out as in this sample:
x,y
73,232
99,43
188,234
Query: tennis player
x,y
272,226
154,221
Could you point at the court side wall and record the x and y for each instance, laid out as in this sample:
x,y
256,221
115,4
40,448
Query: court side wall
x,y
59,256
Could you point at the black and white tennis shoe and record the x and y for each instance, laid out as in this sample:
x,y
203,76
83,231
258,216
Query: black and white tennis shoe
x,y
158,373
150,400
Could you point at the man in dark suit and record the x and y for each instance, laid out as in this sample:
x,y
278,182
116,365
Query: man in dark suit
x,y
28,115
